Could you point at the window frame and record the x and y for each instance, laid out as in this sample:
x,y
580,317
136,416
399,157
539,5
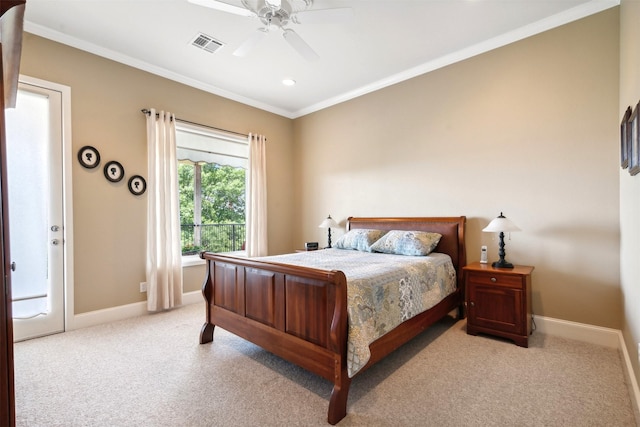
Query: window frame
x,y
215,135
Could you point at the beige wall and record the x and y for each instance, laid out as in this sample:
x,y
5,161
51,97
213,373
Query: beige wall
x,y
109,222
630,186
529,129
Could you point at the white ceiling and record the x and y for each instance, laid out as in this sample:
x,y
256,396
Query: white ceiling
x,y
385,42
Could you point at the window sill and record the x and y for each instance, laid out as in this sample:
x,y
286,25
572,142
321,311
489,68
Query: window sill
x,y
191,260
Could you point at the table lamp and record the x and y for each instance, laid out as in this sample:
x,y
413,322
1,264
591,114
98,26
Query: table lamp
x,y
500,225
328,223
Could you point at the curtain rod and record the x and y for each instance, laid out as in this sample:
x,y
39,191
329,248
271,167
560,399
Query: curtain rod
x,y
148,112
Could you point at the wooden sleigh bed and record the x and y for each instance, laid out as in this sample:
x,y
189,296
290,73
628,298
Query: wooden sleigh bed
x,y
300,313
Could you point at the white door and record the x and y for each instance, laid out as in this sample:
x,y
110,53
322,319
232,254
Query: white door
x,y
34,169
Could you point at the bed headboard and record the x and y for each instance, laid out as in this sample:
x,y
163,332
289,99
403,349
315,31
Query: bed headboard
x,y
451,228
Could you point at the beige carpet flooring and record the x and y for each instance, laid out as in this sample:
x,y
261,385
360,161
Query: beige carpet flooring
x,y
151,371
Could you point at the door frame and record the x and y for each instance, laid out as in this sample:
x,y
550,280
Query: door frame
x,y
67,192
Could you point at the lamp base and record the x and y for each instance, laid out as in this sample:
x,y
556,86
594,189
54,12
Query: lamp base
x,y
502,264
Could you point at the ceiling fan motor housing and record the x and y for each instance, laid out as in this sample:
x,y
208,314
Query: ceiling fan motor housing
x,y
279,17
276,12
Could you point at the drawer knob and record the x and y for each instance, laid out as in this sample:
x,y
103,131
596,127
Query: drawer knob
x,y
473,304
494,280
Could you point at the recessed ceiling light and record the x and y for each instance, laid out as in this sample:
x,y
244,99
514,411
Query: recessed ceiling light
x,y
288,82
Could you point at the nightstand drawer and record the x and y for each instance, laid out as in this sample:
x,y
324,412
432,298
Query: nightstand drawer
x,y
496,279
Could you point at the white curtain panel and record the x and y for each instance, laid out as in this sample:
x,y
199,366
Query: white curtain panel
x,y
257,197
164,257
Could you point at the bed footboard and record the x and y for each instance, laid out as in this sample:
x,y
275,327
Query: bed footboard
x,y
297,313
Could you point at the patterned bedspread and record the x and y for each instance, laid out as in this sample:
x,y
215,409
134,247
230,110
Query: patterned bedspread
x,y
382,290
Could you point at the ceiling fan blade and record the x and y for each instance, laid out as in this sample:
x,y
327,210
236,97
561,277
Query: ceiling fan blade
x,y
224,7
300,45
339,15
250,44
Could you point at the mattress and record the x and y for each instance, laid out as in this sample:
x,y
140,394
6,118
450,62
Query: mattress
x,y
383,290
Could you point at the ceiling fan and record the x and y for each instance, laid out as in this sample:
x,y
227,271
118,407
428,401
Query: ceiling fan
x,y
276,14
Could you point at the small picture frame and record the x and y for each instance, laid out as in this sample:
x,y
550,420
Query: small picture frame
x,y
625,136
113,171
89,157
137,185
634,142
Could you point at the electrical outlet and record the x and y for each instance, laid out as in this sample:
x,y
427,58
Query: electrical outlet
x,y
143,286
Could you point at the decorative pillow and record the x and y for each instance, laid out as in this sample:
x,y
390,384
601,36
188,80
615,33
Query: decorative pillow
x,y
359,239
402,242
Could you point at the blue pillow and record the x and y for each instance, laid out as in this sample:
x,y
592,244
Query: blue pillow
x,y
359,239
400,242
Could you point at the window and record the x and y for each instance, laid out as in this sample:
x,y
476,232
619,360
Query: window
x,y
211,177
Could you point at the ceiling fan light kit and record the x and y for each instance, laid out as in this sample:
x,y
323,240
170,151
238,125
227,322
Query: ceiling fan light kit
x,y
277,14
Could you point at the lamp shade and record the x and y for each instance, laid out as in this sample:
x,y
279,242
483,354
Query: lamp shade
x,y
328,223
501,223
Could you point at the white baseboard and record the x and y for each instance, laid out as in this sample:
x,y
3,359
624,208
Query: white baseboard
x,y
194,297
578,331
634,391
122,312
607,337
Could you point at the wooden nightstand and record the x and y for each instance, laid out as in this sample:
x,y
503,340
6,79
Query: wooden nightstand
x,y
499,301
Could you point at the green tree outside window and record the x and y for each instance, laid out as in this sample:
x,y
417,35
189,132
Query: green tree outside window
x,y
222,207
